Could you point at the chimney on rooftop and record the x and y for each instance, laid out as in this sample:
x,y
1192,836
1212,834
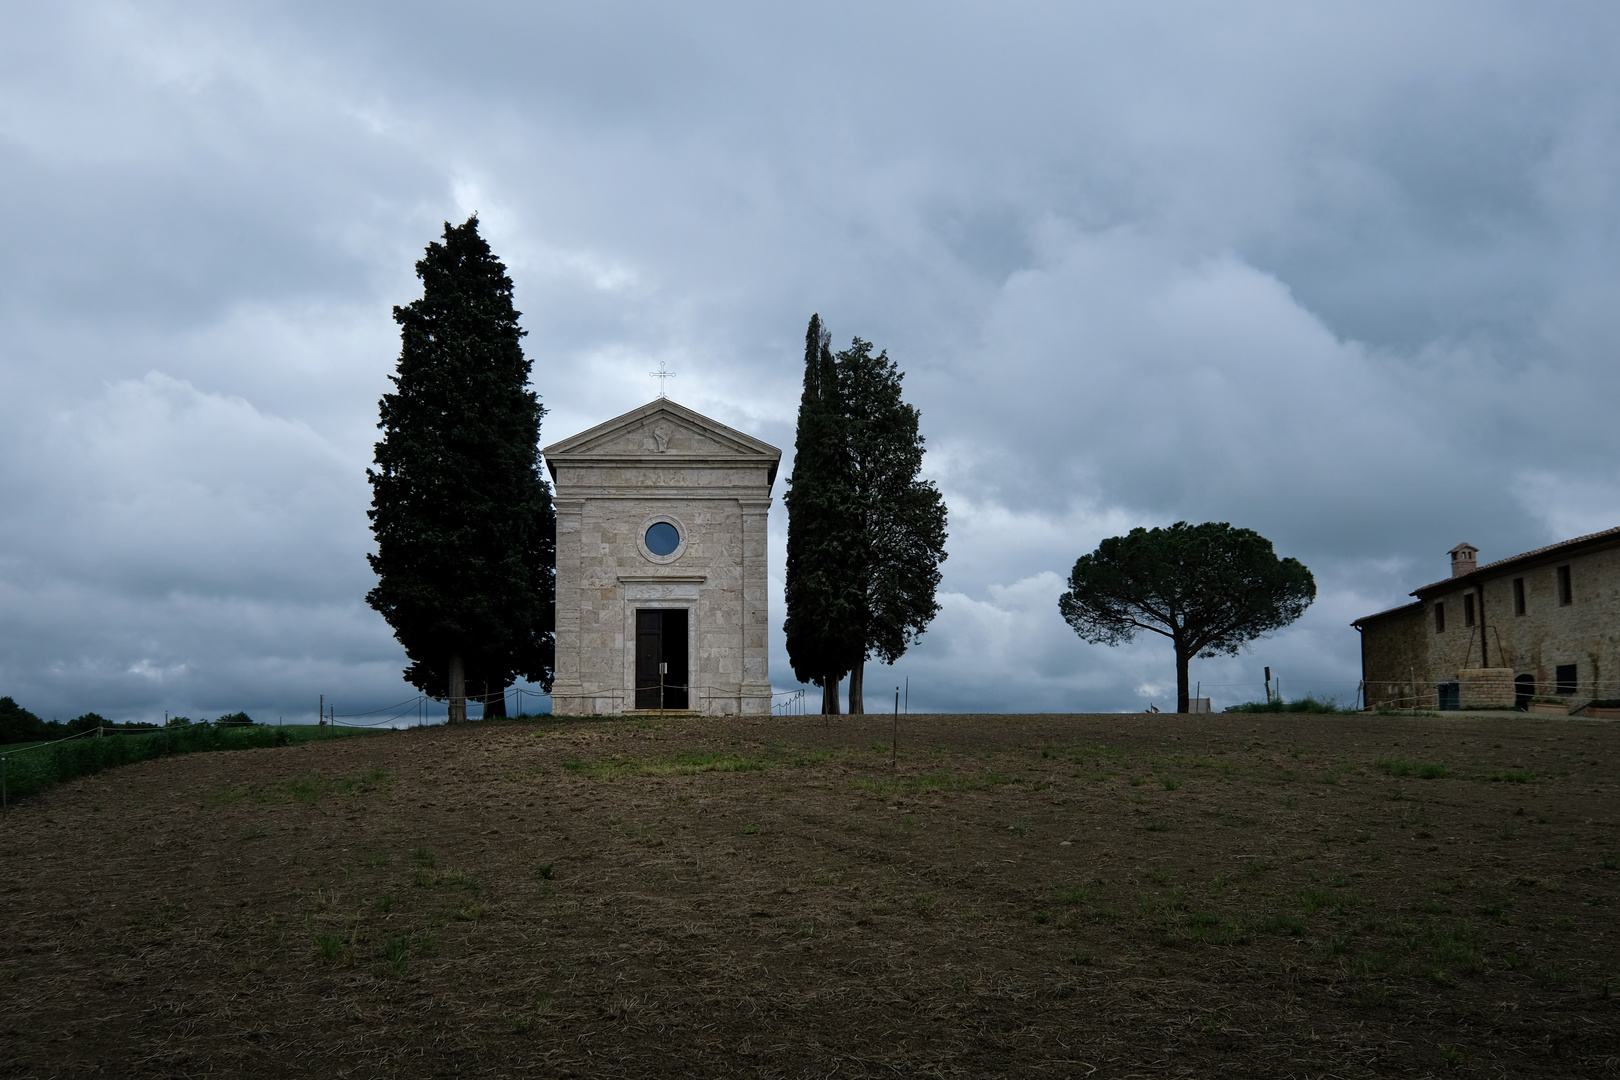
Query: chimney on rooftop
x,y
1463,559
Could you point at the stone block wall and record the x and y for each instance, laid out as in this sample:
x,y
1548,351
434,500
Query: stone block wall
x,y
1485,688
713,484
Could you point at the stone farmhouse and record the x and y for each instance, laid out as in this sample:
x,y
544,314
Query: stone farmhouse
x,y
1542,624
661,572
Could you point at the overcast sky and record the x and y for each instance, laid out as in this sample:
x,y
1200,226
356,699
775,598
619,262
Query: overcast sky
x,y
1343,274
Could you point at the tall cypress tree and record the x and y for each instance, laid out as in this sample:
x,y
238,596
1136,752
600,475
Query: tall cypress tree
x,y
820,541
461,512
899,518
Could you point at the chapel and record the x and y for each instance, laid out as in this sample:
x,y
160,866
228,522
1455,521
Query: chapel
x,y
661,565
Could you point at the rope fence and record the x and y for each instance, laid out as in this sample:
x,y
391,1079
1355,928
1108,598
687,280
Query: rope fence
x,y
701,697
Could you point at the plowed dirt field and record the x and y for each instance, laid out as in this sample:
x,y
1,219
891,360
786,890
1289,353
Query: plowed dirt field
x,y
1277,896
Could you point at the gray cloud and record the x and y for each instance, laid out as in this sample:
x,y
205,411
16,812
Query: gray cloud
x,y
1346,277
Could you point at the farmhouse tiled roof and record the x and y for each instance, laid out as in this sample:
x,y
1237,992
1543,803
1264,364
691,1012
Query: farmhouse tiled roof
x,y
1597,539
1387,611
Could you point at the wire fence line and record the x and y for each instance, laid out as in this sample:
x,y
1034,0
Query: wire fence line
x,y
52,742
792,703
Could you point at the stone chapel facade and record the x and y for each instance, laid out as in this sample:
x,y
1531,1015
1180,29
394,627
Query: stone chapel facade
x,y
661,565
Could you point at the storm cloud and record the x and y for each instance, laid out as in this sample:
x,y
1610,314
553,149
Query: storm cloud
x,y
1344,275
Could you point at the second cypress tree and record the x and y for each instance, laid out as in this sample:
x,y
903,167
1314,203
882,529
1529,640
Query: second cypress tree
x,y
821,541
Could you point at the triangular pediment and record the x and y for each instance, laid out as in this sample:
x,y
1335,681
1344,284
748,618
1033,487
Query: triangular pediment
x,y
663,430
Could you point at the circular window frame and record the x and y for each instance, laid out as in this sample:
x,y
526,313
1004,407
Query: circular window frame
x,y
680,548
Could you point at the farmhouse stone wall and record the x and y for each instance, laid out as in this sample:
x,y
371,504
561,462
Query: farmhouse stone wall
x,y
1484,688
662,462
1394,663
1404,648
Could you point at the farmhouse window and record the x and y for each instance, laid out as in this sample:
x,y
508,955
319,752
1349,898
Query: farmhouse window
x,y
1468,609
1518,596
1566,594
1564,674
1440,617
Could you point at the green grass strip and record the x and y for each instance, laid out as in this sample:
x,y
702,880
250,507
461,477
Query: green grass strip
x,y
30,771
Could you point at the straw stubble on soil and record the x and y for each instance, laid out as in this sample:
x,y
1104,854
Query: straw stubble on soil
x,y
1050,895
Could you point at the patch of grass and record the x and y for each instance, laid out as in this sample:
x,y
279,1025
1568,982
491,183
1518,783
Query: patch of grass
x,y
331,948
373,779
385,903
395,953
1307,704
1083,959
1314,900
545,871
1510,776
458,880
1156,825
1170,784
377,857
1288,925
1550,976
751,830
1423,770
424,858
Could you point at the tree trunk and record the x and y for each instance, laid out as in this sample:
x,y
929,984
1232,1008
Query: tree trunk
x,y
458,690
829,696
1183,657
857,688
494,702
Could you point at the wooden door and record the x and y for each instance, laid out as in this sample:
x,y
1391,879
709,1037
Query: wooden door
x,y
661,636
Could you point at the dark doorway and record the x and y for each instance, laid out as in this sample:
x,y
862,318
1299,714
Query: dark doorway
x,y
1524,688
661,639
1450,696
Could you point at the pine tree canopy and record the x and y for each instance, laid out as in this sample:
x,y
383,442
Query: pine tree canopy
x,y
1209,588
460,510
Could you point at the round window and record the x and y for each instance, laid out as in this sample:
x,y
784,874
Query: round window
x,y
663,538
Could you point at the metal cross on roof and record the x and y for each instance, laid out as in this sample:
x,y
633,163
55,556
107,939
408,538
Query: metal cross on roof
x,y
661,375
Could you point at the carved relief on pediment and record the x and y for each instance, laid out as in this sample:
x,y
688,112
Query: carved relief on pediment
x,y
660,436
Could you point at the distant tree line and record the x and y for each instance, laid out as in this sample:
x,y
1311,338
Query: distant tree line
x,y
17,724
866,534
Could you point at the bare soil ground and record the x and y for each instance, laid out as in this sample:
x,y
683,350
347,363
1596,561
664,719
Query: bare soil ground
x,y
1287,896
